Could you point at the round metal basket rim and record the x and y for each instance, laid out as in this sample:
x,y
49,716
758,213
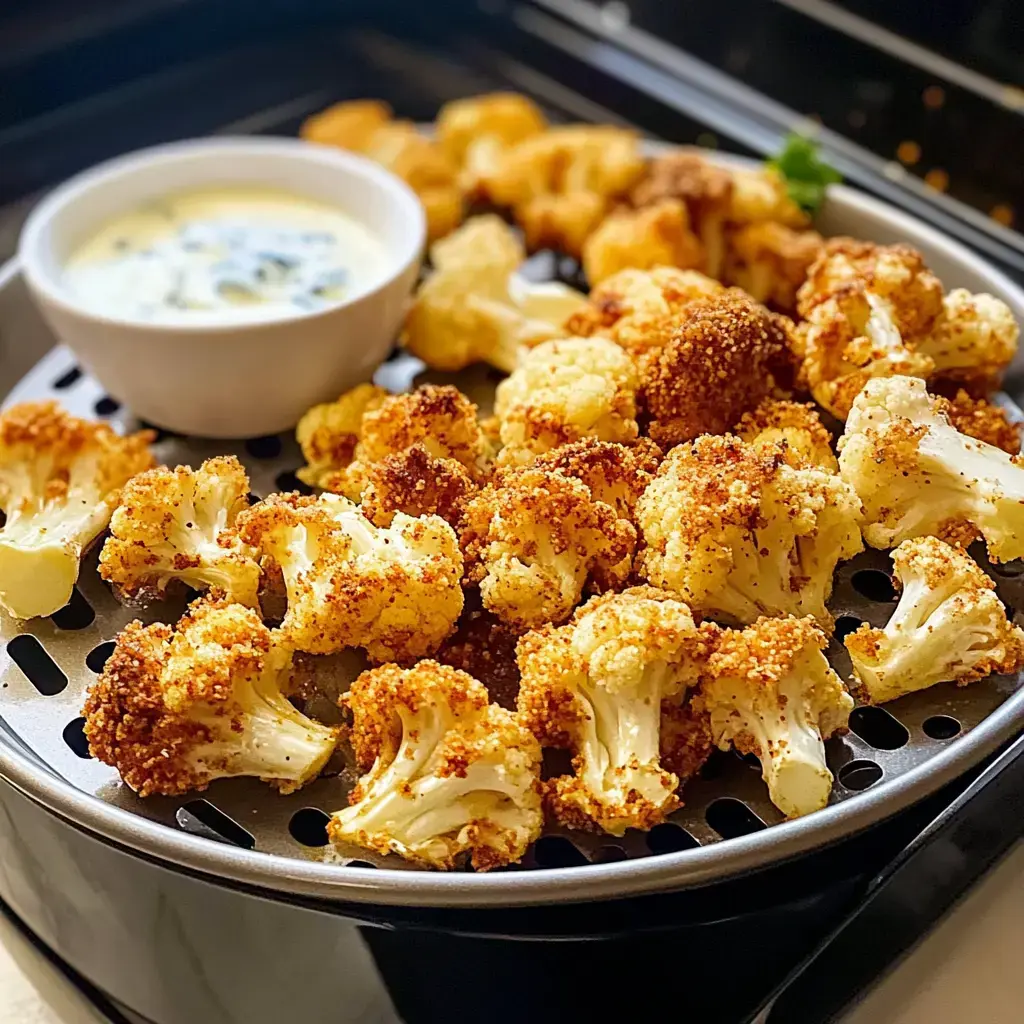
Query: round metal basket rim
x,y
688,868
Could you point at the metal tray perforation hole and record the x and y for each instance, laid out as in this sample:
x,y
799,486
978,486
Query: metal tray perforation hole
x,y
610,854
97,657
557,852
40,669
859,775
288,481
308,826
845,625
67,379
76,614
74,737
106,406
732,818
268,447
878,728
941,727
201,818
874,584
668,837
359,864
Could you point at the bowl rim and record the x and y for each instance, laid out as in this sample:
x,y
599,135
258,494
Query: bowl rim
x,y
47,288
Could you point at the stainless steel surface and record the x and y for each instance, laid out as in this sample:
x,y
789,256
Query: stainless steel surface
x,y
36,758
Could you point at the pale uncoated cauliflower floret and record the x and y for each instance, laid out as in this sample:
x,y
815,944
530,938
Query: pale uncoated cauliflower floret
x,y
178,524
740,533
534,540
596,686
445,772
770,692
949,626
59,481
917,475
394,592
562,391
795,424
175,709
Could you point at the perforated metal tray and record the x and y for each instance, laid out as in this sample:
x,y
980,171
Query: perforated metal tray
x,y
242,830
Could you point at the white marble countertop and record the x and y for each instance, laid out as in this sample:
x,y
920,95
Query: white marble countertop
x,y
967,970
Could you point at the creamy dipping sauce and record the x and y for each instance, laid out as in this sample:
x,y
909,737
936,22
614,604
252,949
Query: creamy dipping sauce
x,y
225,255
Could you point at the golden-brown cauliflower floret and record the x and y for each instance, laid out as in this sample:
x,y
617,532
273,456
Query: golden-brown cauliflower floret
x,y
473,308
716,359
446,774
652,236
560,221
740,533
175,709
770,692
179,525
394,592
485,647
686,739
762,194
562,391
508,117
796,424
984,421
769,261
328,433
949,626
596,686
534,540
59,483
348,125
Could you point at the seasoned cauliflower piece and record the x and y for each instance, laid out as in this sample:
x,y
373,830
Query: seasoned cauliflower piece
x,y
918,476
770,692
348,125
949,626
445,773
739,532
394,592
973,341
485,647
769,261
596,686
984,421
562,391
762,194
507,117
652,236
534,540
175,709
59,483
328,434
179,525
562,222
795,424
686,739
715,360
474,308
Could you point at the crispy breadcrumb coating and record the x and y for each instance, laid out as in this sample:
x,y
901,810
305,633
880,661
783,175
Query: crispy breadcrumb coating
x,y
535,539
770,261
715,360
949,626
394,592
59,483
175,709
917,475
984,421
652,236
686,738
485,647
761,194
446,774
562,391
739,532
795,424
596,686
178,524
770,692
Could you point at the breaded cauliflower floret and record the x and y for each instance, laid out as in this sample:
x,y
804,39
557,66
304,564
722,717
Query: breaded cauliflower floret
x,y
973,341
769,261
328,433
984,421
562,391
178,524
473,308
534,540
686,739
466,126
917,475
770,692
347,125
596,686
394,592
485,647
716,360
445,773
796,424
562,222
652,236
762,194
739,532
175,709
949,626
59,483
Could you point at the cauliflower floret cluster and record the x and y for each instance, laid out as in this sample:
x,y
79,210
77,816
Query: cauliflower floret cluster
x,y
175,709
596,686
563,391
394,592
59,483
446,774
534,540
770,692
178,524
740,532
475,308
795,424
917,475
949,626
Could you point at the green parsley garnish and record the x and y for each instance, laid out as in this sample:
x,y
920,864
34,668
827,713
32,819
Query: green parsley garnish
x,y
807,175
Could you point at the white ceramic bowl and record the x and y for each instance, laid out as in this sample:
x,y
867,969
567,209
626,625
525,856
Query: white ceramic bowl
x,y
228,380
